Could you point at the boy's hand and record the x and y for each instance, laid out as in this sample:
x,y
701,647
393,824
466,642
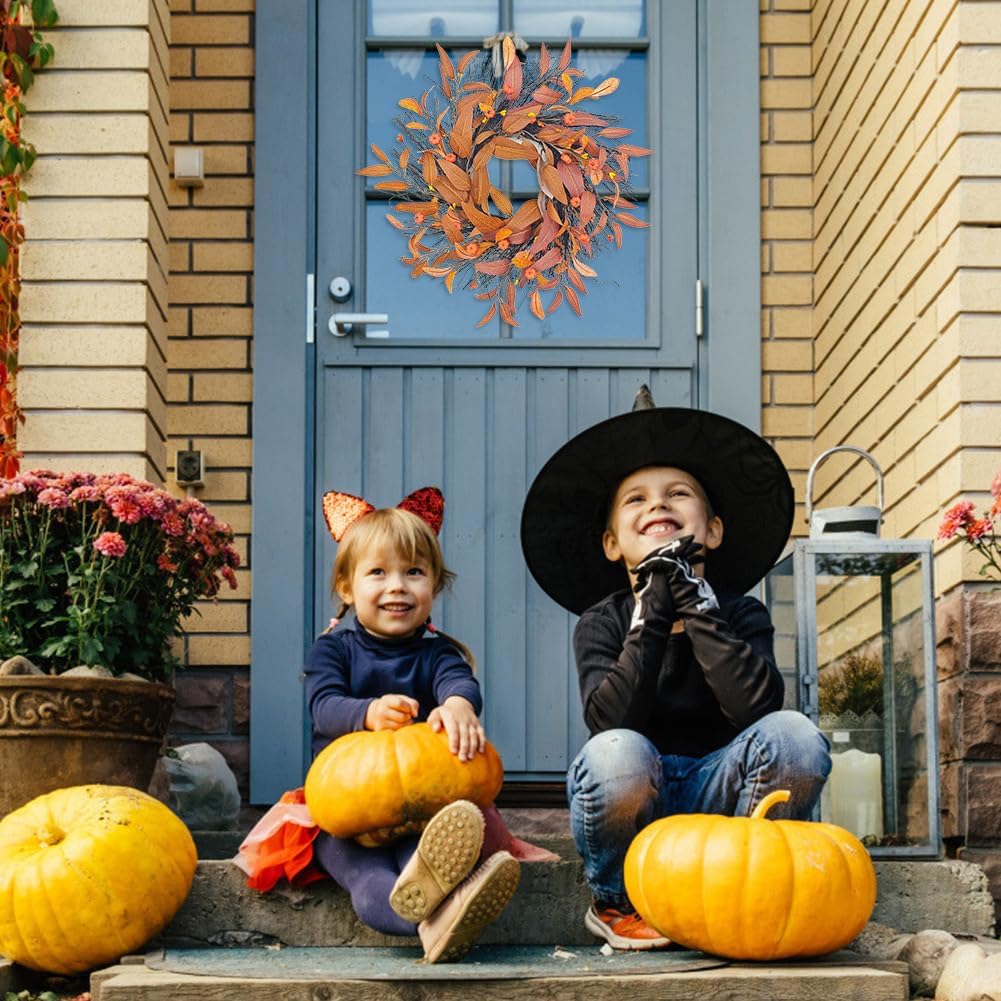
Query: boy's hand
x,y
690,592
391,712
466,736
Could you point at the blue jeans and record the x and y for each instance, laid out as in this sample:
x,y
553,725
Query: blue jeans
x,y
620,782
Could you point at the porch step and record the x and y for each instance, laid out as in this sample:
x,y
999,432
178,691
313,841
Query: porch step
x,y
547,909
503,973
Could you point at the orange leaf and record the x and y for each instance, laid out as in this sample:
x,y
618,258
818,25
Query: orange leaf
x,y
450,281
617,232
376,170
586,118
535,305
404,158
564,58
551,183
550,258
501,200
391,185
512,75
465,61
520,118
485,296
546,95
488,316
501,267
457,177
581,94
526,215
584,269
626,219
411,104
393,221
508,51
615,133
543,59
510,297
445,64
572,178
633,150
606,87
545,236
418,126
428,167
557,301
378,152
461,138
480,192
576,281
476,87
573,300
507,315
510,149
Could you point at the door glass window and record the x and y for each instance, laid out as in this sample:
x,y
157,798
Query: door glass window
x,y
615,304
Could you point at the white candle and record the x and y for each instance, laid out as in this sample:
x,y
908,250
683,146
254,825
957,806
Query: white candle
x,y
853,795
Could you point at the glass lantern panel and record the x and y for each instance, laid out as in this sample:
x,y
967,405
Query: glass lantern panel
x,y
780,599
871,694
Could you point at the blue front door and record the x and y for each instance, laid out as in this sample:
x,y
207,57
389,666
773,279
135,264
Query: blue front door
x,y
428,398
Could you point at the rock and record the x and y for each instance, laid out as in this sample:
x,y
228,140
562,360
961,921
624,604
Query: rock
x,y
970,975
880,941
129,676
926,955
83,671
159,785
18,666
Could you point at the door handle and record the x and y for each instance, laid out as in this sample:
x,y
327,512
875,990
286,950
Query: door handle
x,y
342,324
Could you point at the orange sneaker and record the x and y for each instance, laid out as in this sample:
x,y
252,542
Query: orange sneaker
x,y
623,930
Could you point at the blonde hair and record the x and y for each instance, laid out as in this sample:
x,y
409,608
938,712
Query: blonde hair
x,y
405,534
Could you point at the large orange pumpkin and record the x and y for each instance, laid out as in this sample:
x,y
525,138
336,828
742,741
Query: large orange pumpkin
x,y
88,874
380,781
749,887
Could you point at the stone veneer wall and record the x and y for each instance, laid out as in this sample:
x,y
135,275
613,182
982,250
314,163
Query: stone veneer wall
x,y
209,350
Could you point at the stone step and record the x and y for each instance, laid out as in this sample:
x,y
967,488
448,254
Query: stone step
x,y
547,909
498,974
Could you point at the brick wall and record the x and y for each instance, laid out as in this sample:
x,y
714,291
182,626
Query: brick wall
x,y
786,235
94,299
209,349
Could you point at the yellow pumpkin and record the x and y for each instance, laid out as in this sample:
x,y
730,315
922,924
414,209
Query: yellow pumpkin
x,y
749,887
367,782
87,874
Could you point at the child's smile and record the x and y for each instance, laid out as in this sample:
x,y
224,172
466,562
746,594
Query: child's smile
x,y
653,506
392,596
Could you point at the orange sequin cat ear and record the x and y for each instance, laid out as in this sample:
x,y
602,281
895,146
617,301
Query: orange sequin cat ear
x,y
342,510
428,504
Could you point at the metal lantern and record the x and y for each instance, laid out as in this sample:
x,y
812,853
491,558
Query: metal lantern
x,y
854,620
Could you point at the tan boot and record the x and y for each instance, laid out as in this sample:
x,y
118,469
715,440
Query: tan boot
x,y
453,929
446,853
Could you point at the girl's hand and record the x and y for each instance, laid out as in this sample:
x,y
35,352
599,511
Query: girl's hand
x,y
466,736
391,712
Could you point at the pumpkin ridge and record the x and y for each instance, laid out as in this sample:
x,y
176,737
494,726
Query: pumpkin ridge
x,y
847,871
48,946
791,865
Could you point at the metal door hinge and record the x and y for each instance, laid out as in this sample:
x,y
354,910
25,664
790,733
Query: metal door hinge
x,y
699,308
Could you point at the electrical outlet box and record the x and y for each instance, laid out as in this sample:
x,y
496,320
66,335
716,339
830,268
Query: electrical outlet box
x,y
190,468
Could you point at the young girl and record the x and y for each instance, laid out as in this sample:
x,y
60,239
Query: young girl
x,y
393,669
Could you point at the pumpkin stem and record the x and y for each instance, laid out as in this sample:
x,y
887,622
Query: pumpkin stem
x,y
779,796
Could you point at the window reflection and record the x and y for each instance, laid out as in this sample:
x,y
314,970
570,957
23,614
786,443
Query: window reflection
x,y
443,19
580,19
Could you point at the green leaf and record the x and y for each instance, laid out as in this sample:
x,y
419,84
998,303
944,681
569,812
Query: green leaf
x,y
44,13
4,253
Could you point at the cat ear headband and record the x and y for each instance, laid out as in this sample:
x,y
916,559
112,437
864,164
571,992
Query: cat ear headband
x,y
342,510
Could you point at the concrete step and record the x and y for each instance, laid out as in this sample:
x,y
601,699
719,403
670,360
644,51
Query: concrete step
x,y
547,909
496,975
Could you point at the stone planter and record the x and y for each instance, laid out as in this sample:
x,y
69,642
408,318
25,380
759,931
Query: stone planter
x,y
65,731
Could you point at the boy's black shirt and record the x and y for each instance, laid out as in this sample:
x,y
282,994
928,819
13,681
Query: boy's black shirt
x,y
689,693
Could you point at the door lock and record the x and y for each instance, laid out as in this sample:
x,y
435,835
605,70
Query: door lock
x,y
340,289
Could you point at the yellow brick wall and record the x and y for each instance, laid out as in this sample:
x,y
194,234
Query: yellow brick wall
x,y
786,237
209,349
881,263
94,304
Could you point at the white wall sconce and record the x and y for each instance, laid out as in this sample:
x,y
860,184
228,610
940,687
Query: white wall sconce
x,y
189,166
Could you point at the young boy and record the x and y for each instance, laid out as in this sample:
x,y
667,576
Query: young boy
x,y
651,526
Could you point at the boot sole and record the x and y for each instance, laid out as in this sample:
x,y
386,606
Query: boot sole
x,y
446,854
497,880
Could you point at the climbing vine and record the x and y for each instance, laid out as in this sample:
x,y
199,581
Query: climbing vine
x,y
22,52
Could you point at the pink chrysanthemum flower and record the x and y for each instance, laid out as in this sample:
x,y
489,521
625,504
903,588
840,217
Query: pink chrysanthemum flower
x,y
124,505
978,529
52,498
85,494
110,544
958,516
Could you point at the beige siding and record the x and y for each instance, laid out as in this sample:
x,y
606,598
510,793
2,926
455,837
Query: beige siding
x,y
94,302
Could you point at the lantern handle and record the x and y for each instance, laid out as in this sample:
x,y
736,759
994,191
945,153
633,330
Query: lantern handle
x,y
842,448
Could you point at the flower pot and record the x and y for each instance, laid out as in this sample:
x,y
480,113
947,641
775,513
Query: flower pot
x,y
58,731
